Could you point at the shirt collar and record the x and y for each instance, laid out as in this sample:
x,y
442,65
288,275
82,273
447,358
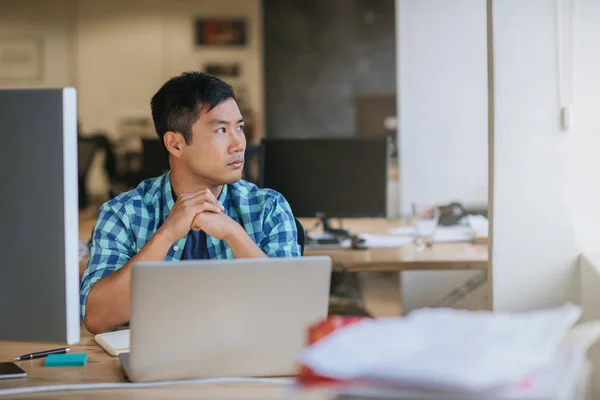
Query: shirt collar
x,y
167,196
223,195
169,201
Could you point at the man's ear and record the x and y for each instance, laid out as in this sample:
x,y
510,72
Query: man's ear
x,y
174,143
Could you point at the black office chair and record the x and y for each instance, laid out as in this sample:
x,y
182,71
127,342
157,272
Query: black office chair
x,y
301,235
86,150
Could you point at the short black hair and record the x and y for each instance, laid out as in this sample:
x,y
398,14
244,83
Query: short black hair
x,y
177,104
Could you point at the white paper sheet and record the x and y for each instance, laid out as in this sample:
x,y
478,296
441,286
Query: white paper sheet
x,y
451,234
441,234
385,241
403,230
445,349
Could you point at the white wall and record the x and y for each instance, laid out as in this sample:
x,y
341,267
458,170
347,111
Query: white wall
x,y
546,192
128,49
119,60
52,22
443,121
442,101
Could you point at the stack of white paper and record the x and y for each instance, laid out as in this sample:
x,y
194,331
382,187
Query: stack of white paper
x,y
439,234
451,234
385,240
452,351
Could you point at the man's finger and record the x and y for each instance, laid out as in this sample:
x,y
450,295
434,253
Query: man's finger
x,y
205,195
190,195
203,199
183,197
201,192
212,207
196,224
201,206
199,200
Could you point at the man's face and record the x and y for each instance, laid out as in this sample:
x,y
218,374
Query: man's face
x,y
216,152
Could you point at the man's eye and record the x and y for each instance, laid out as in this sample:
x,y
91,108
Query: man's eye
x,y
241,128
221,130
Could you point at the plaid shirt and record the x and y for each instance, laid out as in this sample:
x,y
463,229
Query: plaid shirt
x,y
128,221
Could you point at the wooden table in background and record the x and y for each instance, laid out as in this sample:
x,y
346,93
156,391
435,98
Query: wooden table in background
x,y
440,256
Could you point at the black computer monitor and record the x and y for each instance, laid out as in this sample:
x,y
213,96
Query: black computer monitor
x,y
328,177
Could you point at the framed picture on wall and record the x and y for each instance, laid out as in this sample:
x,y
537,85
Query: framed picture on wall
x,y
21,58
231,70
220,32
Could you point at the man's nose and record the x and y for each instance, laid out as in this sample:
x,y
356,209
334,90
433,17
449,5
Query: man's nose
x,y
237,143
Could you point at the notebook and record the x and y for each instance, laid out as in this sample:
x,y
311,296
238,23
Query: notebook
x,y
114,343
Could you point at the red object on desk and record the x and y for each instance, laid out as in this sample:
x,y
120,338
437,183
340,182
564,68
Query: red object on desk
x,y
318,331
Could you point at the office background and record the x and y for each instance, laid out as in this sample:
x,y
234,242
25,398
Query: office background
x,y
465,79
307,68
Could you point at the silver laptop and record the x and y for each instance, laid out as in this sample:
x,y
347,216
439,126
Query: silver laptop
x,y
218,318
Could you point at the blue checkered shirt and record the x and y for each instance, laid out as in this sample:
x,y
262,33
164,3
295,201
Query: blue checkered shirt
x,y
128,221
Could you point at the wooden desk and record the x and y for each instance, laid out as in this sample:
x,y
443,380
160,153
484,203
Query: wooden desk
x,y
443,256
102,368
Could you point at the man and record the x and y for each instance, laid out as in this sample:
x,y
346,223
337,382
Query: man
x,y
200,209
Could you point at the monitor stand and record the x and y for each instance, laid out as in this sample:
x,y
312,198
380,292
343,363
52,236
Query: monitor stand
x,y
326,223
332,236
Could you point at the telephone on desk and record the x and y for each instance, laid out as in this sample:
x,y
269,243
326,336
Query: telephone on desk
x,y
333,238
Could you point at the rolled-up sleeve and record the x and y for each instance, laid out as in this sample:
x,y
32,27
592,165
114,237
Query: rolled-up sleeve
x,y
111,247
279,228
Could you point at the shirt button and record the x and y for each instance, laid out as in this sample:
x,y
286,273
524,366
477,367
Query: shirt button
x,y
175,247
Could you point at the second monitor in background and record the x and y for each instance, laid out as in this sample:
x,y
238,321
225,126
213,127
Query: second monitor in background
x,y
328,177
